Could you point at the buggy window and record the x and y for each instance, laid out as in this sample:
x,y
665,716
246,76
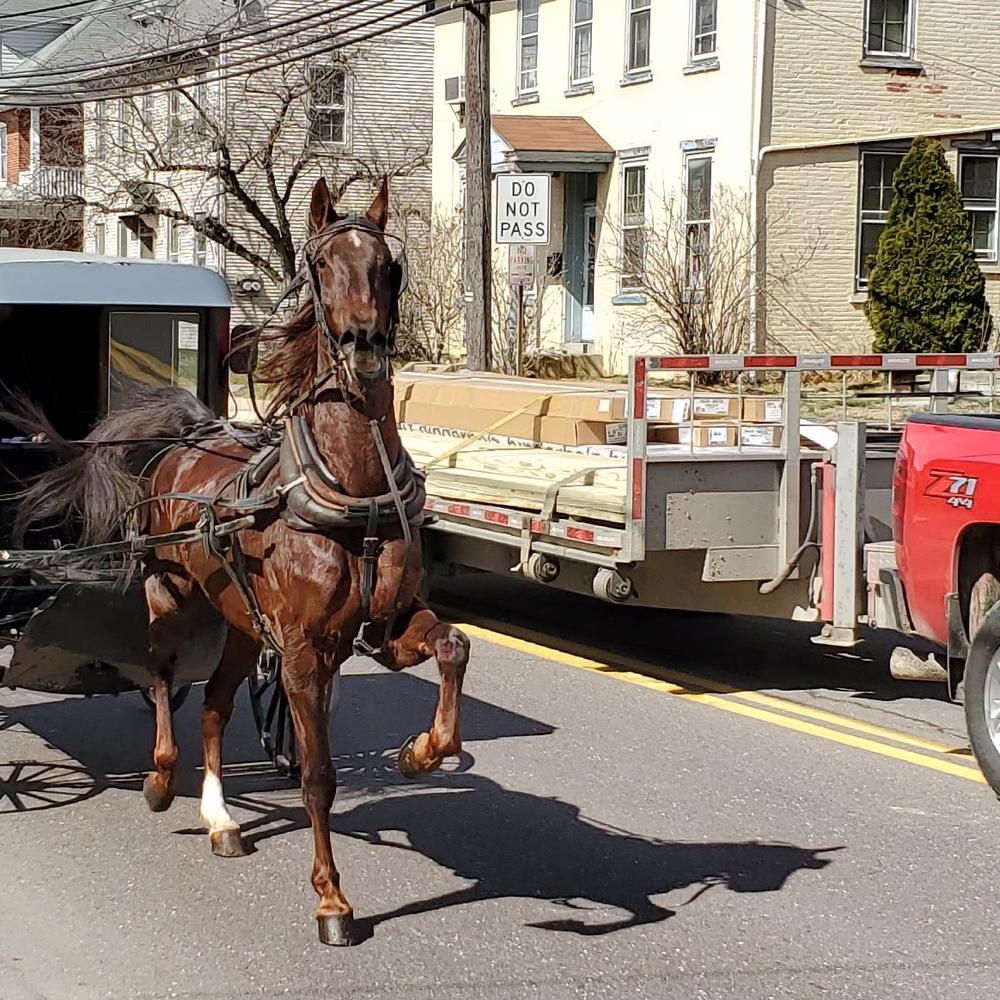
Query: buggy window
x,y
151,350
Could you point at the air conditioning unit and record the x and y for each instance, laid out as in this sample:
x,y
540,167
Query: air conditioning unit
x,y
454,89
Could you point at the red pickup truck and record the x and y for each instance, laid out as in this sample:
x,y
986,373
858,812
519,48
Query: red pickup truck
x,y
946,527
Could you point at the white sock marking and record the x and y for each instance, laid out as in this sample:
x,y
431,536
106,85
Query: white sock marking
x,y
214,813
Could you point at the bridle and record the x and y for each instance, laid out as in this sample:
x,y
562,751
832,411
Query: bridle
x,y
398,276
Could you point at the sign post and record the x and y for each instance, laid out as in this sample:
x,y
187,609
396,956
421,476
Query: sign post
x,y
521,275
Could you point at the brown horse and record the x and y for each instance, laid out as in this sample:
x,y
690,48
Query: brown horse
x,y
311,586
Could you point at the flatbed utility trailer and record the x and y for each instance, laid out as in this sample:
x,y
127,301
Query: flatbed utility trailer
x,y
801,530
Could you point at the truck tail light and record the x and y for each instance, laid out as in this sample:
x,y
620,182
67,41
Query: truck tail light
x,y
900,474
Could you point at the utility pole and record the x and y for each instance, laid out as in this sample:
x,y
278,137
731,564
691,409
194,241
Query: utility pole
x,y
478,176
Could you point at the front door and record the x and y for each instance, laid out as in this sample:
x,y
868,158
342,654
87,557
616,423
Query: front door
x,y
589,253
579,255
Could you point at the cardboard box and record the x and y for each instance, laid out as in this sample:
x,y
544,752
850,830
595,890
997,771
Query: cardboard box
x,y
526,426
508,395
761,435
677,409
763,410
704,435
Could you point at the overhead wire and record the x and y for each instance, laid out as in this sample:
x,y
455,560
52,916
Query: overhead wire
x,y
859,32
273,32
23,96
54,7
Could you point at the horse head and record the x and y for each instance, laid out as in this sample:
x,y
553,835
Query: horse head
x,y
356,283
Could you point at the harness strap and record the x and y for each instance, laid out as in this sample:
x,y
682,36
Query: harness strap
x,y
236,571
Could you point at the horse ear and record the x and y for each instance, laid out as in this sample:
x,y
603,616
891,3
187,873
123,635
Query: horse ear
x,y
321,210
379,212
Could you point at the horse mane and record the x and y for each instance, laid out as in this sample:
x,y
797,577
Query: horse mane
x,y
289,355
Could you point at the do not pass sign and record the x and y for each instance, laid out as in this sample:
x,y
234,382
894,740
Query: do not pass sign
x,y
522,208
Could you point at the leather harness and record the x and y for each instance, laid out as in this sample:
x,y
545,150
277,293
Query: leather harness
x,y
306,495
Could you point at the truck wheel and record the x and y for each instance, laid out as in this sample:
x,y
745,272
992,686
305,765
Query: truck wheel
x,y
985,594
982,697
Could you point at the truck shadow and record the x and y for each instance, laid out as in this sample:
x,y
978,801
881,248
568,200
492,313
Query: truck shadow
x,y
743,652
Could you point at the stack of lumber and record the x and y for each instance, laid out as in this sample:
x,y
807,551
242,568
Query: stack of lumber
x,y
513,476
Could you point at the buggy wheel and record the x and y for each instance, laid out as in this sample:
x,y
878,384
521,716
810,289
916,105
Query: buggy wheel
x,y
177,697
272,717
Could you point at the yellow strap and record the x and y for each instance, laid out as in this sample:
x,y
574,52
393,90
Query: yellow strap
x,y
465,442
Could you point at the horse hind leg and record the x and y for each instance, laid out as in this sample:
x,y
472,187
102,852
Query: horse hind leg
x,y
423,637
168,596
238,657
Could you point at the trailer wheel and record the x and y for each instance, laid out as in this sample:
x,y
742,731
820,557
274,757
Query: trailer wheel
x,y
982,697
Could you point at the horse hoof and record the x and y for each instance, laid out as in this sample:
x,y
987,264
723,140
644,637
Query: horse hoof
x,y
227,844
156,798
407,762
337,929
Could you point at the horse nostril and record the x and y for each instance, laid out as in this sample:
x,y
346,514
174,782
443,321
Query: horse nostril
x,y
347,338
378,341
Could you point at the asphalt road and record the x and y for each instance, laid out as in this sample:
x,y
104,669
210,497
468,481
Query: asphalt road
x,y
652,806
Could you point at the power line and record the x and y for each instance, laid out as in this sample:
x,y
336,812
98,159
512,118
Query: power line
x,y
857,33
54,7
217,75
105,85
274,29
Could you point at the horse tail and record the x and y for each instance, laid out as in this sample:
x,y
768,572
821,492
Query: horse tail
x,y
95,482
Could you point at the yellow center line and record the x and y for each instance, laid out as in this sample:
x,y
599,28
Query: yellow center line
x,y
726,701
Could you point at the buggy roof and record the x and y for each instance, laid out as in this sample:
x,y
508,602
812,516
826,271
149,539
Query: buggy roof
x,y
56,277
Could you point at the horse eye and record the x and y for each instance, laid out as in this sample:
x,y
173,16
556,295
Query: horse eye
x,y
320,263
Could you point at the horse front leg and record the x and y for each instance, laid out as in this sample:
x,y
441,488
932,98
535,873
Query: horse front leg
x,y
238,657
307,677
424,636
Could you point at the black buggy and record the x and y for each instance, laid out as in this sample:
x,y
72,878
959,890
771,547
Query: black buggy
x,y
78,335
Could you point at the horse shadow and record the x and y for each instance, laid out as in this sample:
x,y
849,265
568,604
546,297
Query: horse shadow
x,y
513,844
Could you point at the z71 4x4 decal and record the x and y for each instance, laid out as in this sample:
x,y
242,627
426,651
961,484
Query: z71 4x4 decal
x,y
955,488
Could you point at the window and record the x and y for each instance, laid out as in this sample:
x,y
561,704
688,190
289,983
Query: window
x,y
122,239
3,151
889,28
977,177
637,58
633,225
174,241
200,246
201,92
148,107
151,349
124,123
328,104
100,238
877,170
147,241
174,112
35,139
583,41
101,129
704,28
527,47
697,220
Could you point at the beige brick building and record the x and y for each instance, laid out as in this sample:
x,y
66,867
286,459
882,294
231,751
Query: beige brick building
x,y
803,108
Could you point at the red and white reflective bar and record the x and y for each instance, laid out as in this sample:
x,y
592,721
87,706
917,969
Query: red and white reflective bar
x,y
573,531
821,362
476,512
606,538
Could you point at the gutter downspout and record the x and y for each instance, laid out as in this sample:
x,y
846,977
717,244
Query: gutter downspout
x,y
757,155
